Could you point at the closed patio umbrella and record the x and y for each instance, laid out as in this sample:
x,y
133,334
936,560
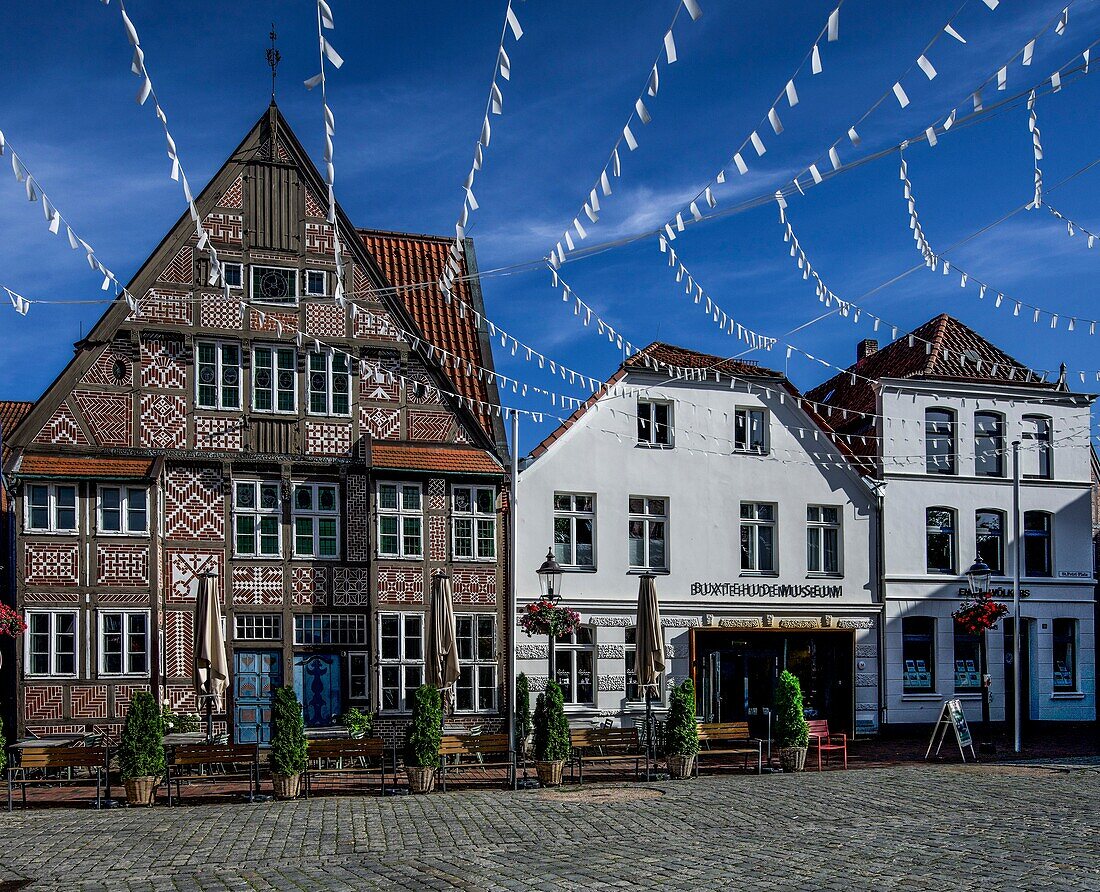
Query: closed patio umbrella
x,y
649,660
441,653
211,669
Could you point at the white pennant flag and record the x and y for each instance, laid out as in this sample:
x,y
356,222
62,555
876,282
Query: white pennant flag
x,y
326,15
628,135
654,82
757,143
815,60
948,29
834,158
1029,52
1063,20
1002,79
670,47
496,99
330,53
853,136
773,119
834,25
693,9
643,112
899,93
927,67
792,94
505,64
513,23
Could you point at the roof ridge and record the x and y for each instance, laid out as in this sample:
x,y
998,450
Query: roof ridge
x,y
937,339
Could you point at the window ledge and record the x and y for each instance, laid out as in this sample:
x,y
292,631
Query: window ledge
x,y
567,569
760,574
641,571
105,534
824,575
654,446
1068,695
408,559
920,697
257,557
968,695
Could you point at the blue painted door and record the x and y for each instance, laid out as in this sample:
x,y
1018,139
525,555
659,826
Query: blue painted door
x,y
258,673
317,681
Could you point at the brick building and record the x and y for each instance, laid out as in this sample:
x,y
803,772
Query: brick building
x,y
200,435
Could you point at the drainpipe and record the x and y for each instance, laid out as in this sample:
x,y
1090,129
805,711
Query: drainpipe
x,y
880,558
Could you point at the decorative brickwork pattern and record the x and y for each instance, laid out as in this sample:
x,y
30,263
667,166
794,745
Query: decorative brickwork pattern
x,y
314,208
114,358
437,494
319,238
161,362
475,586
122,599
218,434
181,269
419,389
425,425
358,518
62,428
360,282
51,598
350,587
183,567
164,305
398,585
194,504
380,424
217,312
51,564
375,387
258,585
110,416
325,320
42,702
309,586
272,321
163,421
122,565
437,537
328,439
224,229
88,701
182,697
179,643
124,694
375,323
234,195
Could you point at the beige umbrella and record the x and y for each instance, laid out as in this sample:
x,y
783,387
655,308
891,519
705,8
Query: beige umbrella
x,y
649,659
441,653
211,669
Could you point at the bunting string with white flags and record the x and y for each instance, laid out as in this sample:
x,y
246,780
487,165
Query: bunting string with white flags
x,y
19,303
494,105
1072,227
612,167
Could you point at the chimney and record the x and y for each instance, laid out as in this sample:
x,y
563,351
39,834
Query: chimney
x,y
865,348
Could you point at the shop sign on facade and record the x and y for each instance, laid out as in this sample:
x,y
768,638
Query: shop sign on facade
x,y
765,590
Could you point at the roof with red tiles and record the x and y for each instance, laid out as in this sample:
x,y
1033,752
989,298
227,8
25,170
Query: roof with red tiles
x,y
12,412
413,265
85,466
444,459
683,358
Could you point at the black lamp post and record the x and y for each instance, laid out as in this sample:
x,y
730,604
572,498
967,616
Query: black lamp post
x,y
550,582
978,576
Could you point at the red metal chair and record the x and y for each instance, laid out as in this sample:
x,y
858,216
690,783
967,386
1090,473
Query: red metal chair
x,y
823,741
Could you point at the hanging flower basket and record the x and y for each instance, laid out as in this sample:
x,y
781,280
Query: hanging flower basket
x,y
11,622
979,615
546,618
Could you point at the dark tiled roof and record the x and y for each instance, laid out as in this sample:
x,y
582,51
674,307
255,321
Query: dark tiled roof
x,y
12,412
681,357
445,459
80,466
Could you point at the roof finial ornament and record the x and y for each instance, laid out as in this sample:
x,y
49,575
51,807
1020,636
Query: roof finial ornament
x,y
274,57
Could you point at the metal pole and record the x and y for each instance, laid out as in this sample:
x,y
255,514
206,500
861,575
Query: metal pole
x,y
1016,631
512,582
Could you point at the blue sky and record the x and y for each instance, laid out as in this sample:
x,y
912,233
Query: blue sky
x,y
408,105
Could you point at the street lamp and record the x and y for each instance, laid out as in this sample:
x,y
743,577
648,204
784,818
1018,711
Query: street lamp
x,y
978,576
550,582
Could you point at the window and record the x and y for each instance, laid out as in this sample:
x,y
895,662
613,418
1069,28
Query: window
x,y
400,520
1065,655
329,383
234,275
358,676
969,662
51,642
258,627
257,510
330,628
274,379
1038,454
476,690
940,539
315,282
939,441
990,538
757,537
1037,544
401,655
647,532
316,515
635,693
474,523
123,642
654,423
274,285
575,666
989,444
575,529
51,508
750,430
918,651
823,539
123,510
218,378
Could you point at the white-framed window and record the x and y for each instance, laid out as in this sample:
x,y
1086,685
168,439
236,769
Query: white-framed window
x,y
358,675
635,693
750,430
50,642
124,510
400,520
217,375
575,529
575,666
123,642
401,659
316,282
234,275
654,423
274,285
941,539
474,523
315,509
329,383
758,537
51,508
823,539
274,379
1037,456
258,626
647,533
257,511
476,690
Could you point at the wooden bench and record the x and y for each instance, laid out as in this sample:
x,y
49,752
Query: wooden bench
x,y
607,746
729,739
476,746
823,741
58,759
207,755
352,756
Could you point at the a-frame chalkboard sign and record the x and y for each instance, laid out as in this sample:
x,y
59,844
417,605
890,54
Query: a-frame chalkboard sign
x,y
952,718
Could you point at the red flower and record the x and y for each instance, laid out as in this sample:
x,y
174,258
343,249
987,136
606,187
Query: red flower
x,y
11,622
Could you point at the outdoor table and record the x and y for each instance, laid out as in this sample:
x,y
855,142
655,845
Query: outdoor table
x,y
49,740
184,737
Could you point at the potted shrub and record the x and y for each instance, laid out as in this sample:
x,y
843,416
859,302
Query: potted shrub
x,y
523,714
552,746
681,734
141,750
792,733
422,739
359,724
288,744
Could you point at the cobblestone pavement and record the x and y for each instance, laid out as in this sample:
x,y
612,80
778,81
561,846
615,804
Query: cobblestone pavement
x,y
913,827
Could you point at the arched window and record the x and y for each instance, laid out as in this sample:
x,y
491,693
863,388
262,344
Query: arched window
x,y
940,539
989,444
1038,452
989,536
1038,549
939,441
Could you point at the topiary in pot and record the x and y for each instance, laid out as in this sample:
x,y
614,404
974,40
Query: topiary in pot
x,y
681,732
141,750
360,724
792,733
523,713
552,745
422,739
289,755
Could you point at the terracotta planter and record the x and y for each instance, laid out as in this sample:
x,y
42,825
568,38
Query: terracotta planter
x,y
680,767
550,772
792,758
287,786
421,780
141,790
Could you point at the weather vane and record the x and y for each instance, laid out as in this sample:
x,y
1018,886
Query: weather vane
x,y
274,57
